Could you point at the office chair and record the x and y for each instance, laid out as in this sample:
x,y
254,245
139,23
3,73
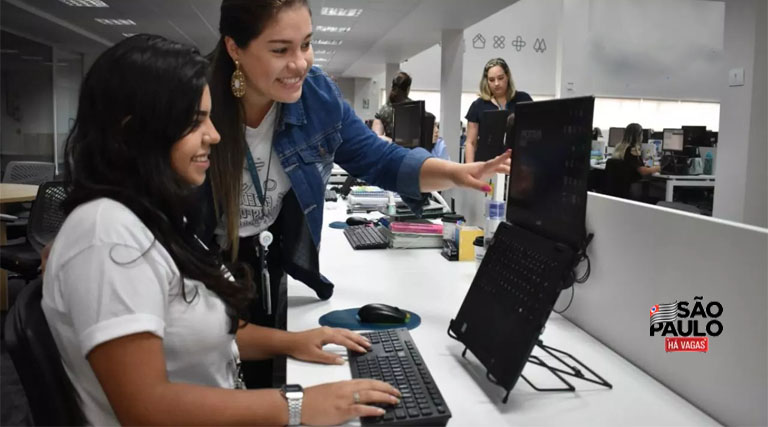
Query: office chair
x,y
619,176
51,396
45,219
23,172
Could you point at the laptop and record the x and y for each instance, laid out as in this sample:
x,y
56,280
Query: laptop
x,y
532,254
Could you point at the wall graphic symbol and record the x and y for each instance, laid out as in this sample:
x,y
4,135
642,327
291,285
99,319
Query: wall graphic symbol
x,y
498,42
518,43
540,46
478,42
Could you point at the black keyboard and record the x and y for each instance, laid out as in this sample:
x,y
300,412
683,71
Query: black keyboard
x,y
522,271
330,196
366,237
394,358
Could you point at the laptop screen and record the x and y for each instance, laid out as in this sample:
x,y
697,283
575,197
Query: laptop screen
x,y
550,162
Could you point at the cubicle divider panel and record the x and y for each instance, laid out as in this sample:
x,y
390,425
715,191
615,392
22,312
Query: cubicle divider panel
x,y
716,271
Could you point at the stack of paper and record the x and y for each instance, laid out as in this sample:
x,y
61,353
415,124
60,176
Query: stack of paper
x,y
417,234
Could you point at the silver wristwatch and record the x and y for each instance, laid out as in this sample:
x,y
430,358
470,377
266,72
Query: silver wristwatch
x,y
294,394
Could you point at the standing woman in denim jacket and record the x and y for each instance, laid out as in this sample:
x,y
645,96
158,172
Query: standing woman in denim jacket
x,y
283,123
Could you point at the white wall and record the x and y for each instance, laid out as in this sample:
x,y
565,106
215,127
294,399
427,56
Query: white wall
x,y
664,49
347,87
533,72
366,101
742,183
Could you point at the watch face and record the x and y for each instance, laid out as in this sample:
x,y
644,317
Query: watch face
x,y
291,388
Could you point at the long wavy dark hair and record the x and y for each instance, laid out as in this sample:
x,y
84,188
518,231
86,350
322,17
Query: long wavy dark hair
x,y
139,98
243,21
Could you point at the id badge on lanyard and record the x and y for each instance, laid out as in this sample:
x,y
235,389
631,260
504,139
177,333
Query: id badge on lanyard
x,y
266,288
265,237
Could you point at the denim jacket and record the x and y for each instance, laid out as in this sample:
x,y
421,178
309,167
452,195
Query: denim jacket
x,y
311,134
320,129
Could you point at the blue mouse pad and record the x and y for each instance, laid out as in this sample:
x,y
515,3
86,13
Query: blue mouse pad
x,y
348,319
338,225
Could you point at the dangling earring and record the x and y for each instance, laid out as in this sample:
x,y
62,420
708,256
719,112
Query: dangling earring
x,y
238,82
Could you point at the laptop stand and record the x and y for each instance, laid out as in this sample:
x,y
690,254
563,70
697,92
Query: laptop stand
x,y
572,371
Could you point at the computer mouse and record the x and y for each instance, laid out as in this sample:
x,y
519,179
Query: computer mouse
x,y
357,220
381,313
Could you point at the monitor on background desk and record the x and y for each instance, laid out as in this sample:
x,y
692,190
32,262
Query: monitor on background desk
x,y
673,140
407,123
412,125
695,136
615,135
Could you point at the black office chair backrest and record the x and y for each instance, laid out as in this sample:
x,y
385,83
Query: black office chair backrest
x,y
618,178
22,172
46,216
50,394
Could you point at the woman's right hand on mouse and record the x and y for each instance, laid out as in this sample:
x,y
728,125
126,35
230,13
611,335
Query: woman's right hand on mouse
x,y
335,403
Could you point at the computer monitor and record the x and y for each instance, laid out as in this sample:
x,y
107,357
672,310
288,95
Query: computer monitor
x,y
673,140
408,122
427,131
712,135
615,135
491,134
548,178
695,136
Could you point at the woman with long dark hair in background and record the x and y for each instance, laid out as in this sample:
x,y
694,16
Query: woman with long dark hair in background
x,y
384,120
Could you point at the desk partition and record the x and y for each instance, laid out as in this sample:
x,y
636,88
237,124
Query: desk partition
x,y
643,255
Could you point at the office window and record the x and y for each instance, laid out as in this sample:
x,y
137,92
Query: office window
x,y
655,114
27,100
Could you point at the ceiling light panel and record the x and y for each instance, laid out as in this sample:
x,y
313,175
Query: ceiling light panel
x,y
85,3
321,42
321,59
115,21
340,11
324,52
331,29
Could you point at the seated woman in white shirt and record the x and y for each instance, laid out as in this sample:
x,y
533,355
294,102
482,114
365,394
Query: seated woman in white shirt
x,y
147,320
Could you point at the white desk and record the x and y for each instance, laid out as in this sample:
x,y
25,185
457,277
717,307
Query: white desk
x,y
422,281
673,181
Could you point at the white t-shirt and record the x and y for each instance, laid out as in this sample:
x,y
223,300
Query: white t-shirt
x,y
254,219
106,278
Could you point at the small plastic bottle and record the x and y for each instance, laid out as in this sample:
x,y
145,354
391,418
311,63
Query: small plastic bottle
x,y
391,208
708,163
494,211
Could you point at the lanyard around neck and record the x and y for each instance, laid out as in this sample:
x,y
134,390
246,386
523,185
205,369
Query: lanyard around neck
x,y
261,193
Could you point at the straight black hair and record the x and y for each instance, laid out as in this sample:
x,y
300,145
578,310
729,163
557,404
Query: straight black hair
x,y
138,99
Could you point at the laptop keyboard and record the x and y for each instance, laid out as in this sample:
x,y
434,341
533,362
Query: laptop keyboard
x,y
366,237
394,358
330,196
514,270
